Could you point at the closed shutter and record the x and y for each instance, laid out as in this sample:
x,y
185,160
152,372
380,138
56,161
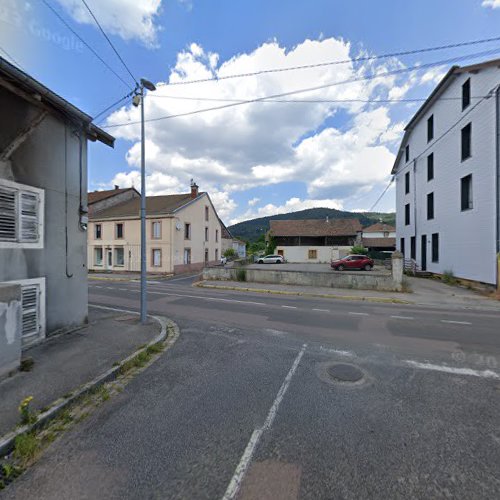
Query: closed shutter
x,y
29,217
31,313
7,214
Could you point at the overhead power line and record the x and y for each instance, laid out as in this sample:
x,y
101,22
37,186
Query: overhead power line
x,y
336,62
111,106
11,58
110,42
310,89
68,26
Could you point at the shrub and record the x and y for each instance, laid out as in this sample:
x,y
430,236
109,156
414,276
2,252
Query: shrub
x,y
26,446
359,250
230,252
449,278
241,274
28,417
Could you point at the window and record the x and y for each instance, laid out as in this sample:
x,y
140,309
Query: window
x,y
466,141
465,94
435,247
98,231
466,192
407,182
206,234
206,214
187,231
430,206
407,214
206,255
119,257
156,230
119,230
216,236
21,215
413,248
98,256
216,254
430,128
430,167
386,234
156,257
407,153
402,246
313,254
187,256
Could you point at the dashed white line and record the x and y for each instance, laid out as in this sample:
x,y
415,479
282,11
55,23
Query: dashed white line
x,y
234,300
455,322
358,314
450,369
246,458
322,310
402,317
289,307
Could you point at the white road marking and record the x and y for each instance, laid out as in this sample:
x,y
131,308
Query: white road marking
x,y
359,314
454,371
237,301
246,458
322,310
336,351
455,322
181,279
402,317
289,307
123,289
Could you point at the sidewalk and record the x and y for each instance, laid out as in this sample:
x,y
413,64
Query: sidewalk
x,y
65,362
424,292
116,276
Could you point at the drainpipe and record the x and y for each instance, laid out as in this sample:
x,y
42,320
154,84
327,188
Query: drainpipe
x,y
414,208
497,126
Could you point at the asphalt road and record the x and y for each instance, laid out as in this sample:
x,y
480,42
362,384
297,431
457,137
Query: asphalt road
x,y
247,404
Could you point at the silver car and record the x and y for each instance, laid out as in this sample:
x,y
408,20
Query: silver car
x,y
271,259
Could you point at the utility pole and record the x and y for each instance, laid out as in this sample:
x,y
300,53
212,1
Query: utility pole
x,y
144,300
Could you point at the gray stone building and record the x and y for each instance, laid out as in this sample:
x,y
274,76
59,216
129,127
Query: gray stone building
x,y
43,212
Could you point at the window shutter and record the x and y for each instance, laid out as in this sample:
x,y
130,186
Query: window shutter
x,y
30,307
29,217
8,226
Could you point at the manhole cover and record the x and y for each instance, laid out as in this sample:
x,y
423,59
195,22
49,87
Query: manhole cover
x,y
345,373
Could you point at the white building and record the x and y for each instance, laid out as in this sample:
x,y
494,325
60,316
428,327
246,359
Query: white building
x,y
447,177
379,237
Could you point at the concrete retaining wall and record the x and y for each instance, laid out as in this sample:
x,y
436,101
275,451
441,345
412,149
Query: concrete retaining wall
x,y
10,328
360,280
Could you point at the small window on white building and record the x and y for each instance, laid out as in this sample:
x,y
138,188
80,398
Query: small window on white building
x,y
206,213
156,230
119,256
187,231
466,192
216,236
187,256
21,215
312,254
206,234
119,230
156,257
98,231
98,256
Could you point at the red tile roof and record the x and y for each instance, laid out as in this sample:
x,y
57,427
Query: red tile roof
x,y
379,227
315,227
95,196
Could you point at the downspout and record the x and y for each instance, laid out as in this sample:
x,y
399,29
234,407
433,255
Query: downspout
x,y
497,126
414,208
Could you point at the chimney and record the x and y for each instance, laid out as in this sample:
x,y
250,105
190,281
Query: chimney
x,y
117,186
194,189
327,220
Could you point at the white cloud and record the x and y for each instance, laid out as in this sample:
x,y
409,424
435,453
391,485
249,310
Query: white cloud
x,y
494,4
434,75
259,144
129,19
253,202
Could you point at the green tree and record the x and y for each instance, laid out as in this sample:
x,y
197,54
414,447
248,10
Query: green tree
x,y
359,250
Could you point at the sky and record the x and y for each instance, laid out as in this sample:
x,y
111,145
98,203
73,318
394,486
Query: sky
x,y
260,158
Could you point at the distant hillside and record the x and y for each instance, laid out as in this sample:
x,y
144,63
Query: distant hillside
x,y
250,230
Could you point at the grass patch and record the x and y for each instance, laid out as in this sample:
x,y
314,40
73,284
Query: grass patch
x,y
449,278
155,348
26,365
26,447
241,274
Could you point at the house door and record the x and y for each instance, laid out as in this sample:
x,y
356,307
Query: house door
x,y
424,253
206,255
109,258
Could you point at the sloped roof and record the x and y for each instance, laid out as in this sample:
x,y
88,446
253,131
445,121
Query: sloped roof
x,y
315,227
155,205
95,196
435,94
379,227
379,242
34,91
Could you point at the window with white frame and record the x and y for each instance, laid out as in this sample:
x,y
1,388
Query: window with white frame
x,y
98,256
156,257
97,231
119,256
156,230
21,215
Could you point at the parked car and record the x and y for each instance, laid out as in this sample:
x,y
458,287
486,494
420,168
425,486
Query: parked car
x,y
271,259
352,262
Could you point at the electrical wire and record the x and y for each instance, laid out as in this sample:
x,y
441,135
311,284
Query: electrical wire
x,y
310,89
342,61
11,58
62,20
110,42
111,106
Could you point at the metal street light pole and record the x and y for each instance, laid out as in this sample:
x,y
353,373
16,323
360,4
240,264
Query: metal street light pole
x,y
144,307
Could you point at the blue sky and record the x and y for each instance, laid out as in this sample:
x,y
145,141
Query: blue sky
x,y
261,158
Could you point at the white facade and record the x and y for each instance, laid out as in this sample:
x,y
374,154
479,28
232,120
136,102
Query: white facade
x,y
467,238
379,234
313,254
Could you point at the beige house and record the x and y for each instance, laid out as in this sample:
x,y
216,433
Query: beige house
x,y
183,233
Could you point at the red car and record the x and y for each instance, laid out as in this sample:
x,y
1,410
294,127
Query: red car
x,y
352,262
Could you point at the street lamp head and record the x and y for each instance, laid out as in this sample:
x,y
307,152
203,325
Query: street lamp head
x,y
147,84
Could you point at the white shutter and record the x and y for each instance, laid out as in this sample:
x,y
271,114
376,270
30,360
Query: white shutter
x,y
8,217
31,313
29,207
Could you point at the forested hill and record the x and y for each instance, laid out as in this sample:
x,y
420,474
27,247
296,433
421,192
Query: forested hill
x,y
250,230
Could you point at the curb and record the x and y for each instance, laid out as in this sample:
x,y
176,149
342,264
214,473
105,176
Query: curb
x,y
102,278
306,294
7,441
